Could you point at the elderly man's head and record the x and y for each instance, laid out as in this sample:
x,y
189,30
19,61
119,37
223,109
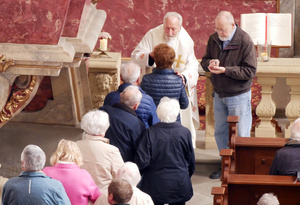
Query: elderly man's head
x,y
164,56
224,25
130,72
33,158
168,110
295,130
95,122
172,25
131,96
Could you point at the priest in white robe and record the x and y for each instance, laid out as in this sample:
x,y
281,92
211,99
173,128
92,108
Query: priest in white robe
x,y
172,33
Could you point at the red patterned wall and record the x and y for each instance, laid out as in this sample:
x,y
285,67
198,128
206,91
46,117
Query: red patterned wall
x,y
128,20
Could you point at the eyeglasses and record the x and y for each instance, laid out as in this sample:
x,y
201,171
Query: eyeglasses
x,y
221,30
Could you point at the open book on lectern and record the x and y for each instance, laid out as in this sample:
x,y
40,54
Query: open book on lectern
x,y
274,26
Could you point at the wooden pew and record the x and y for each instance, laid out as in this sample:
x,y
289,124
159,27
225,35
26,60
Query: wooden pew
x,y
252,155
248,188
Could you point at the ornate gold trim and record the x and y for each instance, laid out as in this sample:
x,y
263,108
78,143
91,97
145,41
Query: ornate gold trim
x,y
17,99
5,63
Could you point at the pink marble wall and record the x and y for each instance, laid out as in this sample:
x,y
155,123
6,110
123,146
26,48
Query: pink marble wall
x,y
128,20
76,14
32,21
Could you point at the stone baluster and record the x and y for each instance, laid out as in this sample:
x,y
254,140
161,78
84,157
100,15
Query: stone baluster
x,y
266,108
292,110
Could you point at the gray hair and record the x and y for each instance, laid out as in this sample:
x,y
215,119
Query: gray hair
x,y
95,122
295,130
33,158
130,72
268,199
130,172
131,96
226,15
174,14
168,109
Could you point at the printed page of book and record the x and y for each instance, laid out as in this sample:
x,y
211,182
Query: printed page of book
x,y
279,28
255,25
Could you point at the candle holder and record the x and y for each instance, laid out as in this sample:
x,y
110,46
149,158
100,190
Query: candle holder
x,y
104,37
102,54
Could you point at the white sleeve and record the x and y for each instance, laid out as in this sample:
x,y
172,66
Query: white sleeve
x,y
140,54
191,70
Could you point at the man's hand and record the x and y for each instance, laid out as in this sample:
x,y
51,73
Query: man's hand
x,y
215,68
182,77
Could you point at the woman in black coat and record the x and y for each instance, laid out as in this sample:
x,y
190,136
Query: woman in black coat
x,y
165,157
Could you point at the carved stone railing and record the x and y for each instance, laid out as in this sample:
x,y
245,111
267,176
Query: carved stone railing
x,y
267,74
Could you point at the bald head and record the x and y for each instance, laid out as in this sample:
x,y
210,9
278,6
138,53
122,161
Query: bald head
x,y
225,16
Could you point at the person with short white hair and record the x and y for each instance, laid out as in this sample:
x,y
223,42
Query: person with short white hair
x,y
165,157
287,159
130,75
101,159
33,186
268,199
130,172
125,128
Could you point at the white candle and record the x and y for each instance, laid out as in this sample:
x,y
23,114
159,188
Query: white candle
x,y
103,44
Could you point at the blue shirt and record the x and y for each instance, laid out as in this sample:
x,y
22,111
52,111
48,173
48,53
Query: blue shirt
x,y
225,43
34,188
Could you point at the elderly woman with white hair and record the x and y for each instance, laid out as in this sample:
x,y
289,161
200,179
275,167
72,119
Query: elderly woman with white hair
x,y
130,172
165,157
100,158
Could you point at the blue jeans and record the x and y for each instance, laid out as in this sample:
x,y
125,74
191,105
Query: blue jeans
x,y
239,105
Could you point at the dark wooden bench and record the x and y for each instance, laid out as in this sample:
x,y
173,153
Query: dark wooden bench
x,y
251,155
247,189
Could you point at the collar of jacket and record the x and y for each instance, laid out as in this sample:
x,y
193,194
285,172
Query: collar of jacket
x,y
32,174
293,143
96,138
165,71
124,107
125,85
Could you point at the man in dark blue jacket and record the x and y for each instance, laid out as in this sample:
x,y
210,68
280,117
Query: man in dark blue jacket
x,y
130,73
125,127
287,159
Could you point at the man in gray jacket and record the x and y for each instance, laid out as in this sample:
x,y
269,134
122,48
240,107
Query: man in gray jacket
x,y
33,186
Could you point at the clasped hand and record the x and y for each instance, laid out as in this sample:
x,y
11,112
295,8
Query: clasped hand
x,y
215,68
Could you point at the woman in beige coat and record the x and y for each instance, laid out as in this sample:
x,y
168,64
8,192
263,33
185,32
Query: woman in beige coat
x,y
100,159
